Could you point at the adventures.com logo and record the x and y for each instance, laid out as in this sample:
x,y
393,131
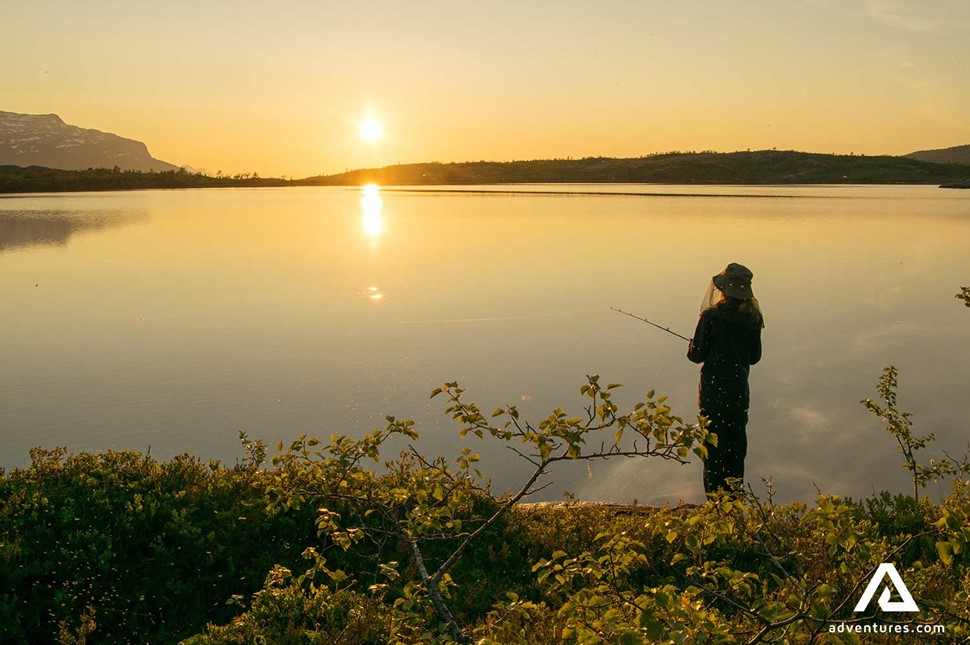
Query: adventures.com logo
x,y
887,573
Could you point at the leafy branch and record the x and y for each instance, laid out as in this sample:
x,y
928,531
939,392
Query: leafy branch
x,y
560,437
899,424
964,295
425,501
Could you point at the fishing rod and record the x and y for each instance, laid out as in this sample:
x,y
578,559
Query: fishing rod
x,y
650,323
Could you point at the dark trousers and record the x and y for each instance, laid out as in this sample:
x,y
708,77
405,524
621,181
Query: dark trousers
x,y
726,459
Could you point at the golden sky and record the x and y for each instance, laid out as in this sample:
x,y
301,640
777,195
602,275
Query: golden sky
x,y
280,88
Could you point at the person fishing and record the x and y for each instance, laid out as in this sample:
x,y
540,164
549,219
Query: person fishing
x,y
727,342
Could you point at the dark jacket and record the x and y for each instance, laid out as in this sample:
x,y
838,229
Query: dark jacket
x,y
727,344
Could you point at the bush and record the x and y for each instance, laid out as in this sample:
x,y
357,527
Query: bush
x,y
285,612
153,548
117,547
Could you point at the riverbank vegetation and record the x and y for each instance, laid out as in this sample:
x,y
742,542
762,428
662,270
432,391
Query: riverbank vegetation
x,y
315,545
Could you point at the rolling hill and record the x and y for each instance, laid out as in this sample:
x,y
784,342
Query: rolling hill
x,y
956,154
752,167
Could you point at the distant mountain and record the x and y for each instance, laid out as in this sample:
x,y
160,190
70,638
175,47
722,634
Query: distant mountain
x,y
45,140
956,154
758,167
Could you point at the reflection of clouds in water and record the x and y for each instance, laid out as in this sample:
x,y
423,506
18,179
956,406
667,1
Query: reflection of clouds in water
x,y
20,229
650,481
809,417
812,425
803,443
878,338
798,443
884,298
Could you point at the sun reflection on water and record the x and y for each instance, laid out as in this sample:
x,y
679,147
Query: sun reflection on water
x,y
371,203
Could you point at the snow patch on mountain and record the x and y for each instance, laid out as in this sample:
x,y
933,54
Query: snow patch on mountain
x,y
45,140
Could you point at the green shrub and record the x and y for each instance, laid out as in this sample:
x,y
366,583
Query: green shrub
x,y
286,612
153,548
118,547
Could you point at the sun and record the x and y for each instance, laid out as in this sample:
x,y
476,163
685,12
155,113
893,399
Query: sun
x,y
370,129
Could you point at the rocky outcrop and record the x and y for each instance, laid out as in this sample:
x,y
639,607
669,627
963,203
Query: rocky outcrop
x,y
45,140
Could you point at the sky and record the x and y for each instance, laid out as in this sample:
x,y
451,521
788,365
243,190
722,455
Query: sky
x,y
281,88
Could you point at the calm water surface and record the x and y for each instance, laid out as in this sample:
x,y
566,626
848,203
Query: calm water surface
x,y
175,319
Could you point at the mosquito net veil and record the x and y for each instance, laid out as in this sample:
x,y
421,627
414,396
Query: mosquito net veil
x,y
711,298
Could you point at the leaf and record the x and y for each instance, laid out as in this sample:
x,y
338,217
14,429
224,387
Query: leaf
x,y
655,630
337,575
945,550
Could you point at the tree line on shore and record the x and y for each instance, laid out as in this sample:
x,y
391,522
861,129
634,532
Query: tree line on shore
x,y
748,167
36,179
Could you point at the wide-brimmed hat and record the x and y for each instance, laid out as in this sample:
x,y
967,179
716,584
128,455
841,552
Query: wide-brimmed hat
x,y
735,281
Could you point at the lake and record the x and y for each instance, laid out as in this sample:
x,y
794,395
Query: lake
x,y
171,320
